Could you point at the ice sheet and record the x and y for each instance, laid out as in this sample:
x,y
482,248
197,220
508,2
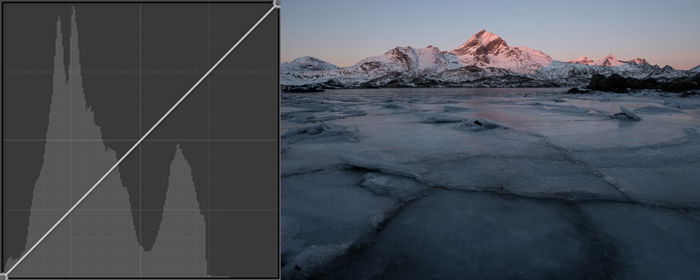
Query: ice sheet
x,y
559,191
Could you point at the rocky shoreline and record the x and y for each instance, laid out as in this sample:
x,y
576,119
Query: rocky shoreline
x,y
598,82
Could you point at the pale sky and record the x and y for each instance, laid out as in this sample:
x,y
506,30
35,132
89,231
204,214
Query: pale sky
x,y
343,32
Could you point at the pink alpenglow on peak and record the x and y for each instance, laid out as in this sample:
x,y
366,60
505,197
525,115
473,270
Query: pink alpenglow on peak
x,y
609,60
486,49
483,42
639,61
582,60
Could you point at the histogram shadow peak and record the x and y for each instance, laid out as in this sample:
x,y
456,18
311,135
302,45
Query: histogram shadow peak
x,y
198,198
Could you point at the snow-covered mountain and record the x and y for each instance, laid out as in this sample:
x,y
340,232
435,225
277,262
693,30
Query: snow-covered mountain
x,y
483,60
306,63
579,71
485,49
695,69
582,60
638,61
407,60
609,60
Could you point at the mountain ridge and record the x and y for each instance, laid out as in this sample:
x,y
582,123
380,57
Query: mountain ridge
x,y
483,56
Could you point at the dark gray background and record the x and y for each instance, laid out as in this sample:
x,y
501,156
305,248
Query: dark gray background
x,y
137,60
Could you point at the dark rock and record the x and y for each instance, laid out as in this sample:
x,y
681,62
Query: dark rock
x,y
617,83
303,88
648,83
595,81
614,83
578,90
506,81
684,84
333,84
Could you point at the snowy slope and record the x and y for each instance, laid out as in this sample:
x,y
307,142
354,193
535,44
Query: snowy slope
x,y
306,63
397,60
408,59
695,69
580,70
568,73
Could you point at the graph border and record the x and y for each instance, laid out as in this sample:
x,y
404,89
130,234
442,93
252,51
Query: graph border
x,y
2,136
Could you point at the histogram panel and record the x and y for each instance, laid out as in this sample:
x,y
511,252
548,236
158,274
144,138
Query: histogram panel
x,y
198,198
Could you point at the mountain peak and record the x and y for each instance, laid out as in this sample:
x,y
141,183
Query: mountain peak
x,y
582,60
486,49
609,60
639,61
485,37
306,59
306,63
483,42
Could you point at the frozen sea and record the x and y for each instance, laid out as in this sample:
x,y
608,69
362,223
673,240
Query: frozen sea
x,y
490,184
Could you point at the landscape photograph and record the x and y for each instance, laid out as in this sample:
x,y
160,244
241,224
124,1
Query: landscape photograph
x,y
490,139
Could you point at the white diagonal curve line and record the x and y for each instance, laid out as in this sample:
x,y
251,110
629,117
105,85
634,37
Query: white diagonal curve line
x,y
140,140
